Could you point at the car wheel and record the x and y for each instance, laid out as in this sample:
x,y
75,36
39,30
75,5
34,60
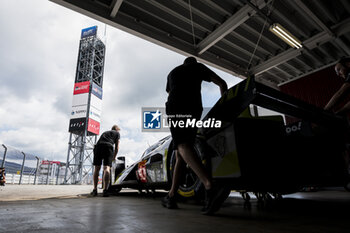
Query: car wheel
x,y
190,185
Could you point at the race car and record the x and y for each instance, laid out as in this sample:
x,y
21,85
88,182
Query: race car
x,y
154,171
252,153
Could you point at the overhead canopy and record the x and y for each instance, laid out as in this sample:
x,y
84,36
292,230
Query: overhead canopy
x,y
234,35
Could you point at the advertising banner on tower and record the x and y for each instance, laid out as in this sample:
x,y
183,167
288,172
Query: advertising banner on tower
x,y
79,106
95,114
95,109
78,111
93,126
77,125
95,103
80,114
87,32
82,87
96,90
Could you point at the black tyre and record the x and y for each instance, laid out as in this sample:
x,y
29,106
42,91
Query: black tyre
x,y
190,185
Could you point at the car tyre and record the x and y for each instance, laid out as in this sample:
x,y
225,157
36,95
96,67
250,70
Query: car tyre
x,y
190,186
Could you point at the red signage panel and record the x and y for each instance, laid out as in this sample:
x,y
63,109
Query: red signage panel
x,y
82,87
93,126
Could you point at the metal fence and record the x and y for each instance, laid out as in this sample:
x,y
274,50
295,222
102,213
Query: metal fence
x,y
26,168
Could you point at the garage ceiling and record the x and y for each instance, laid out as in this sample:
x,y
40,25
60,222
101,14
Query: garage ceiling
x,y
234,35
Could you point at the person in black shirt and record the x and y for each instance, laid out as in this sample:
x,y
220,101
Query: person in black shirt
x,y
103,151
342,69
184,89
338,104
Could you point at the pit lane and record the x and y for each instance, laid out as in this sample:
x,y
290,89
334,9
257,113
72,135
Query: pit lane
x,y
322,211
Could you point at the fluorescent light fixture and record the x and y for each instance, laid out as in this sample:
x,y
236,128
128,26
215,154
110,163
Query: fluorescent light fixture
x,y
286,36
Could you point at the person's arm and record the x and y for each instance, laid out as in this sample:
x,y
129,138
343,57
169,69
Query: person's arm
x,y
116,149
338,96
220,82
344,110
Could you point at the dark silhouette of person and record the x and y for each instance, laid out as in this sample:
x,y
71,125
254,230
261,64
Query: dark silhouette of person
x,y
103,151
342,69
184,100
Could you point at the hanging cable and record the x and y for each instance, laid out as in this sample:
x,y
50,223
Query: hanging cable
x,y
194,39
260,35
256,45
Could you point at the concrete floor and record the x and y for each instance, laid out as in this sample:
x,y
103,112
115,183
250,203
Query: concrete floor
x,y
322,211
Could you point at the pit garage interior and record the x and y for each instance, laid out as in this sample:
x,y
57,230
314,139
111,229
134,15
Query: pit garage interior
x,y
234,36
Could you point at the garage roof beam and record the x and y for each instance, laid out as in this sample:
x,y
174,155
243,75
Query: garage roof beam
x,y
228,26
116,6
300,4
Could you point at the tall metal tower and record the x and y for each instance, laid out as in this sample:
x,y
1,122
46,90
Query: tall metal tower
x,y
84,125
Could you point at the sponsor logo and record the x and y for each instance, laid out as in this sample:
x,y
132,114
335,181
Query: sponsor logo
x,y
96,90
78,111
77,125
191,123
94,114
93,126
82,87
156,120
152,119
87,32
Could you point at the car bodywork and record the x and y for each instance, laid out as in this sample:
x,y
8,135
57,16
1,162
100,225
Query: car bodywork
x,y
148,172
252,153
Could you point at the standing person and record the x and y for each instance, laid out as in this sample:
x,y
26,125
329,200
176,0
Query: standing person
x,y
337,103
184,89
104,151
342,69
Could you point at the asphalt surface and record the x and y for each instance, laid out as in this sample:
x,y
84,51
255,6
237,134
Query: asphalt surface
x,y
71,209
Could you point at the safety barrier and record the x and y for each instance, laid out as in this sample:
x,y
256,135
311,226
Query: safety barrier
x,y
25,168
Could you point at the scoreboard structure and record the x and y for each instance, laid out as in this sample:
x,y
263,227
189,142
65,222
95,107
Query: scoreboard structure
x,y
85,117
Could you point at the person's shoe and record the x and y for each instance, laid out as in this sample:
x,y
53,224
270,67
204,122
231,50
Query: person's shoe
x,y
105,193
213,199
94,192
169,202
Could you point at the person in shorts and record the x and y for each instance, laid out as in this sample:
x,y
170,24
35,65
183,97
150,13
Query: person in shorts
x,y
185,102
105,150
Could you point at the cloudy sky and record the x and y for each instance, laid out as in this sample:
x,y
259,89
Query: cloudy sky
x,y
38,55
